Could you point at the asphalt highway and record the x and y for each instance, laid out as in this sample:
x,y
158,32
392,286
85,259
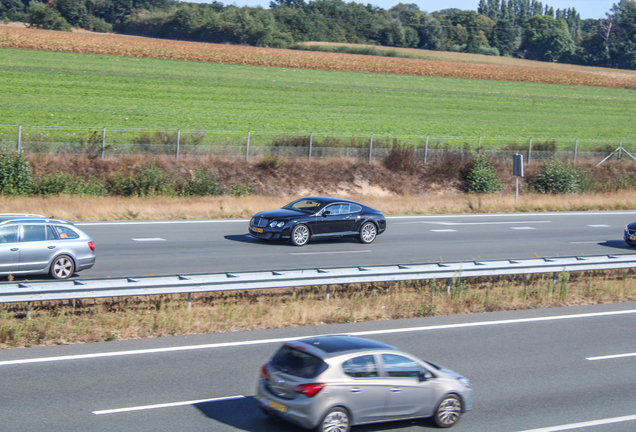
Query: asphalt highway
x,y
537,370
128,249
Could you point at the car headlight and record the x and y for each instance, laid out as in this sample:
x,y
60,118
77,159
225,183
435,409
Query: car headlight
x,y
272,224
465,381
280,224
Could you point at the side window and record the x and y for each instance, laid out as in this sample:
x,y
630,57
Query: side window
x,y
66,233
333,209
400,367
354,208
344,208
9,234
361,367
33,233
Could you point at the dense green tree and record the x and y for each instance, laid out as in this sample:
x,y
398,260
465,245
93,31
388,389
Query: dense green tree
x,y
546,39
73,11
622,46
45,17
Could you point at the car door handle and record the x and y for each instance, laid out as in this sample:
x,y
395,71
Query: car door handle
x,y
355,390
396,390
14,249
51,247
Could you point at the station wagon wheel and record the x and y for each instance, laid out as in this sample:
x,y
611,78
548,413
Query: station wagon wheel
x,y
368,232
336,420
448,411
300,235
62,267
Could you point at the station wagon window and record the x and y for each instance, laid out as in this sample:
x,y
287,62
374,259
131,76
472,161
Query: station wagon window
x,y
400,367
9,234
361,367
66,233
33,233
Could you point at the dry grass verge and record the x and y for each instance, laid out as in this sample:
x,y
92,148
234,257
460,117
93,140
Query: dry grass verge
x,y
55,323
478,67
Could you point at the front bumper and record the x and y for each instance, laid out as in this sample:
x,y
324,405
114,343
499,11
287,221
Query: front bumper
x,y
629,239
269,233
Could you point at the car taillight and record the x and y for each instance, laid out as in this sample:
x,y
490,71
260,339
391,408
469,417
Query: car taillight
x,y
264,373
91,244
309,390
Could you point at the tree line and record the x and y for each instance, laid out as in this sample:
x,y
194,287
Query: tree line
x,y
515,28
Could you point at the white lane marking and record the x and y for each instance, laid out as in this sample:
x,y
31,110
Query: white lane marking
x,y
586,242
166,405
473,223
522,228
484,215
600,226
610,357
162,222
328,253
149,239
279,340
445,230
583,424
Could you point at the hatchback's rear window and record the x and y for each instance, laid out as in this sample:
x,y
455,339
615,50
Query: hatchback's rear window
x,y
298,363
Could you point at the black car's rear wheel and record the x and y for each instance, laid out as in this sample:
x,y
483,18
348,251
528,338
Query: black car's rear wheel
x,y
62,267
448,411
368,233
300,235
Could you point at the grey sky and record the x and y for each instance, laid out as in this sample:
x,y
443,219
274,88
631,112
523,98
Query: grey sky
x,y
585,8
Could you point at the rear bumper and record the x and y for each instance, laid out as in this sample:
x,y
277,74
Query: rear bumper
x,y
300,414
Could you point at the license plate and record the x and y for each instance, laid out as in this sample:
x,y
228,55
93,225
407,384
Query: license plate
x,y
277,406
258,230
632,237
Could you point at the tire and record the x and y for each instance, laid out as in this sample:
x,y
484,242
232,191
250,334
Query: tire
x,y
62,267
448,411
300,235
368,233
336,420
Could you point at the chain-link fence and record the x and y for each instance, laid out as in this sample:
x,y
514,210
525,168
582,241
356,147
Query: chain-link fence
x,y
113,142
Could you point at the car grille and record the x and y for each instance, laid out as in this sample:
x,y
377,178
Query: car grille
x,y
631,231
259,222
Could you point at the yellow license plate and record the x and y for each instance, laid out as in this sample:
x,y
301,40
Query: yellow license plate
x,y
258,230
632,237
277,406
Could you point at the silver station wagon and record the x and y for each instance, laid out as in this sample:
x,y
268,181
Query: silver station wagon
x,y
329,383
33,244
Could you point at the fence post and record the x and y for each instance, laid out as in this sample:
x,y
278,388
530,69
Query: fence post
x,y
529,150
426,149
178,141
19,137
576,149
311,139
370,148
247,150
620,150
479,147
103,141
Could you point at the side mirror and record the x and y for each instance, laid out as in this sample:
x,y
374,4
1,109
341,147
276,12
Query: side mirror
x,y
425,376
326,213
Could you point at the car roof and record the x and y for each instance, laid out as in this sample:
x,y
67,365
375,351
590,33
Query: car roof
x,y
328,200
31,218
332,345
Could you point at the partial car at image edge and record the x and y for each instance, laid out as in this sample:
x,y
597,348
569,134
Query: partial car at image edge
x,y
318,217
330,383
32,244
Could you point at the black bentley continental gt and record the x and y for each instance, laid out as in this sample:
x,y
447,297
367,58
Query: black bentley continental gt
x,y
318,217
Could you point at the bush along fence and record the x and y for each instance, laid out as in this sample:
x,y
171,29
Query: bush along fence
x,y
103,142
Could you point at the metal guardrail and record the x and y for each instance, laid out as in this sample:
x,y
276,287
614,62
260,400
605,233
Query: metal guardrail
x,y
188,284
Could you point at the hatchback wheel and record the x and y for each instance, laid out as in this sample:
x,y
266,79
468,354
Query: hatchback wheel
x,y
62,267
368,233
448,411
336,420
300,235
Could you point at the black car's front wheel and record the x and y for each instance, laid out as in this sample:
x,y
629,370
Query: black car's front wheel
x,y
368,233
300,235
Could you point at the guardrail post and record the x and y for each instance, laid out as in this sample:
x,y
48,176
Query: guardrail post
x,y
28,311
19,137
328,293
189,301
370,148
554,278
448,286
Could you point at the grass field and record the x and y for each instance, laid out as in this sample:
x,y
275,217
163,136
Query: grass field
x,y
90,91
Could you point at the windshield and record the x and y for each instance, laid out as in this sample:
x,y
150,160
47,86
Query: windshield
x,y
305,205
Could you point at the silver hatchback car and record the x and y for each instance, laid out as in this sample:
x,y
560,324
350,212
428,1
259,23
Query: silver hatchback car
x,y
33,244
329,383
